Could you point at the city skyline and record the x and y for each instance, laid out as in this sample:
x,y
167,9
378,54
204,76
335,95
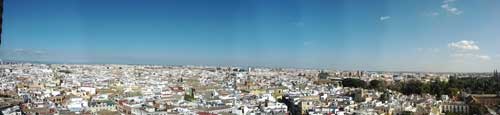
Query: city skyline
x,y
386,35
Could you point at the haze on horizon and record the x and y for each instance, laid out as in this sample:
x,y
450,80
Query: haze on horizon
x,y
385,35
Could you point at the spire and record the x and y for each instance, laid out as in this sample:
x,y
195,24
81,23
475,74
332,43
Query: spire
x,y
495,73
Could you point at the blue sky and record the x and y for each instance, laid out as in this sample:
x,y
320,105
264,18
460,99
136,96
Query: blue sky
x,y
391,35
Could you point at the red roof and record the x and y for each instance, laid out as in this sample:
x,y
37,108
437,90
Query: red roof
x,y
177,89
205,113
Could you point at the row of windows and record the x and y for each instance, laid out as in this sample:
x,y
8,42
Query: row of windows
x,y
455,108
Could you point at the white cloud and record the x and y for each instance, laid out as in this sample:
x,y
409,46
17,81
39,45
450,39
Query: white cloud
x,y
467,50
383,18
483,57
435,50
420,49
298,24
431,13
22,54
471,56
450,9
307,43
463,45
19,50
448,1
432,50
434,14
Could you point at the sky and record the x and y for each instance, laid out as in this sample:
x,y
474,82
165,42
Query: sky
x,y
374,35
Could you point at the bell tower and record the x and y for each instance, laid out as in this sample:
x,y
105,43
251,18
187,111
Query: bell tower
x,y
496,76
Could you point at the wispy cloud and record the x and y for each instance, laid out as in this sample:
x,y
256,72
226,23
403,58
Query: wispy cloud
x,y
483,57
308,43
298,24
471,56
449,8
448,1
383,18
433,14
432,50
466,50
22,54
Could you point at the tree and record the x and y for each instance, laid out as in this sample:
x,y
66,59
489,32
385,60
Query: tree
x,y
377,85
407,113
358,96
475,85
356,83
453,92
396,86
414,87
385,96
323,75
438,88
188,97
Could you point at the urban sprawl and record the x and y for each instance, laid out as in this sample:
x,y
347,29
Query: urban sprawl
x,y
113,89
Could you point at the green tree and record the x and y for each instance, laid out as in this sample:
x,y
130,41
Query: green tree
x,y
358,96
323,75
357,83
396,86
377,85
413,87
385,96
453,92
438,88
407,113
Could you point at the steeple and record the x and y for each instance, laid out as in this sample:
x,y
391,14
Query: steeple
x,y
495,73
496,76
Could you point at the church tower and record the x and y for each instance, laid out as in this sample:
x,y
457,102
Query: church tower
x,y
496,75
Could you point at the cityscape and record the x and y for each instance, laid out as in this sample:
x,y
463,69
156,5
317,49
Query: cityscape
x,y
46,89
249,57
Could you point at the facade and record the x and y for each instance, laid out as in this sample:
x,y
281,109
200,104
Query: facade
x,y
485,99
455,107
97,108
149,111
